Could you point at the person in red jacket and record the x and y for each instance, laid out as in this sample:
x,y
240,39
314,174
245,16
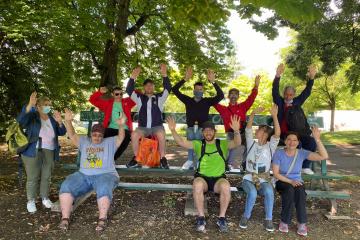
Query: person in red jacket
x,y
112,109
238,109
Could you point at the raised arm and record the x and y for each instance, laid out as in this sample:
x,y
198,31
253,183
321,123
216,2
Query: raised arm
x,y
307,91
178,139
252,116
276,84
27,113
322,154
274,112
60,127
235,125
130,87
69,127
121,134
96,100
219,93
166,81
176,88
251,98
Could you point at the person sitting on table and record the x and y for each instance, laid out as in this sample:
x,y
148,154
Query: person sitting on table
x,y
112,109
238,109
197,108
258,164
150,106
210,168
287,164
97,170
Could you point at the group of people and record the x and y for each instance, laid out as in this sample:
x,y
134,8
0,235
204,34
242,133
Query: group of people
x,y
210,157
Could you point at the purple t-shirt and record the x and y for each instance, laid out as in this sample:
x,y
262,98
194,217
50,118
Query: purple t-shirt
x,y
284,161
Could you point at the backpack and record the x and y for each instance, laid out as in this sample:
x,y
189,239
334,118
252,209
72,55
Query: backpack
x,y
218,150
297,121
148,153
16,139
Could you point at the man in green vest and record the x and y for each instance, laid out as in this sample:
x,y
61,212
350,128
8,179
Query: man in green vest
x,y
210,168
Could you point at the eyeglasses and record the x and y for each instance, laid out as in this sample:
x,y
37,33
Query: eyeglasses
x,y
118,93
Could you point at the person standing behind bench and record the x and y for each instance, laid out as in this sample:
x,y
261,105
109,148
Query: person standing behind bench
x,y
197,108
42,131
258,164
97,170
238,109
112,109
287,165
150,107
210,169
291,115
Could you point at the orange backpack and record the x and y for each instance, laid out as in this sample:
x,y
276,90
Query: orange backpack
x,y
148,153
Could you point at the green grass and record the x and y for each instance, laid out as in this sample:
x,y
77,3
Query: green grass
x,y
342,137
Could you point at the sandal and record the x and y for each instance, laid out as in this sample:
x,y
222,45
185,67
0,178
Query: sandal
x,y
64,224
101,225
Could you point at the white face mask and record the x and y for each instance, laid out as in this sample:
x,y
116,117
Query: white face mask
x,y
288,102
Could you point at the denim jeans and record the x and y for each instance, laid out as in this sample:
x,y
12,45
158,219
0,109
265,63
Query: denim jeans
x,y
191,135
78,184
265,190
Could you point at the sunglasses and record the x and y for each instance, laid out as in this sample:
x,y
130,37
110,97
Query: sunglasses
x,y
117,94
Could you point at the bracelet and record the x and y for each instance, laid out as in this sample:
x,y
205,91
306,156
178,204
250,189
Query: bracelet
x,y
237,132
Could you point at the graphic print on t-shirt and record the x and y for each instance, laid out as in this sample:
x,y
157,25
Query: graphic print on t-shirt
x,y
93,160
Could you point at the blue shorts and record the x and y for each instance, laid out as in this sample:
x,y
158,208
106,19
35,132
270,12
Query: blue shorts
x,y
78,184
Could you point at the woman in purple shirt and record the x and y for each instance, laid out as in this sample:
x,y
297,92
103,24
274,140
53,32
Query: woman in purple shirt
x,y
287,164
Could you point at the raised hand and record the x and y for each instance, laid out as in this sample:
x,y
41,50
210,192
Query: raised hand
x,y
257,80
33,99
57,117
135,73
235,123
171,123
103,90
274,110
257,110
188,73
69,116
280,70
121,120
163,70
312,70
316,133
211,75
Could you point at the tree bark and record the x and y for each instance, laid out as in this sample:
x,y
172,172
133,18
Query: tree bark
x,y
332,119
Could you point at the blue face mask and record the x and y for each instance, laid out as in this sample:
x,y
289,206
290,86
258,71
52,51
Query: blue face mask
x,y
198,94
46,109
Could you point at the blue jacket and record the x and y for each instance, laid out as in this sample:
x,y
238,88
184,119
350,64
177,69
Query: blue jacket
x,y
299,100
31,123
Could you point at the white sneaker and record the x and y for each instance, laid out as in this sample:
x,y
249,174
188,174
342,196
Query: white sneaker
x,y
188,165
307,171
31,207
47,203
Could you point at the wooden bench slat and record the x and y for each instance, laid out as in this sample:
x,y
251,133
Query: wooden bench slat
x,y
328,194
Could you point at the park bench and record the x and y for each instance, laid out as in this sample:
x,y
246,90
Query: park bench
x,y
94,116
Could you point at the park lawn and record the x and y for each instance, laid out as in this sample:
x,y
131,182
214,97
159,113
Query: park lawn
x,y
341,137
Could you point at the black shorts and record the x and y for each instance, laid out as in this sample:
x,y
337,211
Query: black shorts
x,y
210,181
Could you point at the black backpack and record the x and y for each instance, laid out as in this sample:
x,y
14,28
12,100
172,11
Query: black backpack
x,y
297,121
218,150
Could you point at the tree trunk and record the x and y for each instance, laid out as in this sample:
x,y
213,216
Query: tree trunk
x,y
109,65
332,120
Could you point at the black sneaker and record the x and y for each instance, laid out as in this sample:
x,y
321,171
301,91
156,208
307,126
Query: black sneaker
x,y
269,226
222,224
163,163
133,163
200,224
243,222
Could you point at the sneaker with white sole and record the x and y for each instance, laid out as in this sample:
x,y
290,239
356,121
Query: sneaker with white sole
x,y
283,227
302,229
200,224
47,203
188,165
31,206
307,171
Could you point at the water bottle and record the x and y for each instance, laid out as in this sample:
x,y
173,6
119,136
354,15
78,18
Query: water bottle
x,y
196,127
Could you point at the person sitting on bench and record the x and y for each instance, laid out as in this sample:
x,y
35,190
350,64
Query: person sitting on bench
x,y
97,170
239,109
291,116
258,164
197,108
287,165
210,168
150,107
112,109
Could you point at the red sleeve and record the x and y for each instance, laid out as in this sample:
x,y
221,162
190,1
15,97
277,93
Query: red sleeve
x,y
251,98
130,102
220,108
96,100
